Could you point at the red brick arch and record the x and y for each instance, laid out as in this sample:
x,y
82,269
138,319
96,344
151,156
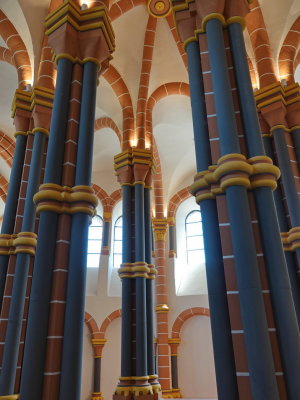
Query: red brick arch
x,y
176,200
122,6
168,89
114,315
121,90
18,50
99,333
7,148
144,82
108,201
261,45
6,56
185,315
288,52
106,122
92,325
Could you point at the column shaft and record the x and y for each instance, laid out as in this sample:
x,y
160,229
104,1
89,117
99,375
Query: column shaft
x,y
97,374
35,347
281,294
141,314
259,352
126,343
10,209
220,322
296,139
13,333
174,370
75,300
149,284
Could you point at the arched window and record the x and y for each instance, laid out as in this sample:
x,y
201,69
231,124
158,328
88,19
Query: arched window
x,y
94,242
194,238
117,254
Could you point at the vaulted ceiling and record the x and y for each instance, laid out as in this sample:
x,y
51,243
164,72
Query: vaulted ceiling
x,y
123,86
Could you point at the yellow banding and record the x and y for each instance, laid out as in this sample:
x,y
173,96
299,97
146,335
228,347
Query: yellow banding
x,y
42,130
236,20
208,17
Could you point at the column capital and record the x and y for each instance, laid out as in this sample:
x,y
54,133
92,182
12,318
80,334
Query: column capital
x,y
191,16
134,166
41,105
160,226
81,35
21,110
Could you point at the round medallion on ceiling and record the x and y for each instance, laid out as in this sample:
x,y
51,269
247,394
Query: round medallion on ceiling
x,y
159,8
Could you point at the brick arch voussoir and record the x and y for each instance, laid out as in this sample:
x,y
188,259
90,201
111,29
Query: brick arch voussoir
x,y
6,56
167,89
288,53
114,315
106,122
261,45
120,88
18,50
184,316
176,200
122,6
92,325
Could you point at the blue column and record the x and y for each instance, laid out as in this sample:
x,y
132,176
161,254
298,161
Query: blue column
x,y
141,316
296,139
16,311
219,314
10,209
75,301
149,284
126,340
37,325
257,340
290,258
281,294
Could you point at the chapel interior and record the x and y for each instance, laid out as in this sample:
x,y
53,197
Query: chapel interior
x,y
149,199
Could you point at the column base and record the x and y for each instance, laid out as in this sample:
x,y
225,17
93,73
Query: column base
x,y
97,396
175,394
133,396
171,394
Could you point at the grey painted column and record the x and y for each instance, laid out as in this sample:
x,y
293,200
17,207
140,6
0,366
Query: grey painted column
x,y
217,295
10,209
282,299
37,325
172,240
257,341
97,375
174,371
16,311
70,383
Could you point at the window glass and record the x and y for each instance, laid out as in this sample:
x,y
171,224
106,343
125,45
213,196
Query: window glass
x,y
194,238
94,242
117,255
